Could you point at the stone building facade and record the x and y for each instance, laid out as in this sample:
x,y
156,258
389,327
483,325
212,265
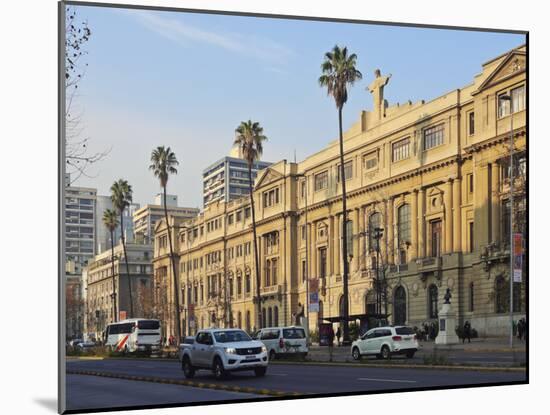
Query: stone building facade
x,y
430,178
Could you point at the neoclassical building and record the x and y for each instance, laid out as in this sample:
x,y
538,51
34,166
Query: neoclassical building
x,y
428,188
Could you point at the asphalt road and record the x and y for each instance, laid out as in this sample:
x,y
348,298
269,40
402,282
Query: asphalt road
x,y
302,379
87,392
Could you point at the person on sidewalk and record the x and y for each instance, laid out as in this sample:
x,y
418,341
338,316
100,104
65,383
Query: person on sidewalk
x,y
521,329
467,332
338,334
330,342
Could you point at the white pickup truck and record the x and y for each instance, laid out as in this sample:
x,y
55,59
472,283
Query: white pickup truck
x,y
222,351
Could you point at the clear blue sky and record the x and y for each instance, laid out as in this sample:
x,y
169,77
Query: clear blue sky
x,y
187,80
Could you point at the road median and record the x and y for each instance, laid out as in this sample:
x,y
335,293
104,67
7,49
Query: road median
x,y
185,382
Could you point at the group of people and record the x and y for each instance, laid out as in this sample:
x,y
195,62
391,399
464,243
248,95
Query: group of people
x,y
427,332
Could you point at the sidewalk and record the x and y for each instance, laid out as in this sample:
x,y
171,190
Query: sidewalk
x,y
490,346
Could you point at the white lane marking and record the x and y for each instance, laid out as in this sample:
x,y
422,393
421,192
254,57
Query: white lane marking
x,y
388,380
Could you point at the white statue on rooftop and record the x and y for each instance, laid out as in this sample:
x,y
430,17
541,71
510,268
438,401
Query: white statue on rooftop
x,y
376,88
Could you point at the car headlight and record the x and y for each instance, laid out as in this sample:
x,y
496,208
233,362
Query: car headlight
x,y
230,350
264,349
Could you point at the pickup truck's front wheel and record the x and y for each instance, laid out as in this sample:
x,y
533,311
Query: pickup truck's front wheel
x,y
218,369
260,371
188,369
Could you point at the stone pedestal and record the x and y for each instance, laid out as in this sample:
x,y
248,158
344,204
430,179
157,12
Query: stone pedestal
x,y
447,323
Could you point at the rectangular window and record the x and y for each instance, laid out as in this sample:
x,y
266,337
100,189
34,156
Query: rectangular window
x,y
371,161
321,181
471,235
401,149
238,216
247,212
503,106
471,183
303,189
433,136
471,123
230,219
304,270
322,262
518,99
348,171
271,197
435,227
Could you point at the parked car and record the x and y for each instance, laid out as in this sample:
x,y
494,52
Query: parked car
x,y
383,342
75,342
222,351
87,345
281,341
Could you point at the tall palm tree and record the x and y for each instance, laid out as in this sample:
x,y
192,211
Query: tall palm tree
x,y
121,196
163,164
338,70
110,221
249,137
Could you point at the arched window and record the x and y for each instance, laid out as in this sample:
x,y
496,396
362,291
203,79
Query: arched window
x,y
370,302
270,317
213,319
400,305
248,321
268,273
432,301
375,221
276,316
239,285
501,295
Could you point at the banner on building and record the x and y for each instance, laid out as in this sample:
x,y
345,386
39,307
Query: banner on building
x,y
313,295
314,302
121,315
518,257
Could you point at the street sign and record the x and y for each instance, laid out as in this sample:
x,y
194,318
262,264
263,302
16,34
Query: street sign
x,y
518,257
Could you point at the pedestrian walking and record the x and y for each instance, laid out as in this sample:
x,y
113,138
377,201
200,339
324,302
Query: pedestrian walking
x,y
520,329
338,334
467,332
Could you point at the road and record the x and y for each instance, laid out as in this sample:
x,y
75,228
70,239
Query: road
x,y
302,379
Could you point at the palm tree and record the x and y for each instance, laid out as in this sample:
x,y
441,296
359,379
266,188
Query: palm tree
x,y
163,162
121,196
338,70
110,221
249,138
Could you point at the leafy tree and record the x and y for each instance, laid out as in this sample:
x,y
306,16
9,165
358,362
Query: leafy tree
x,y
338,71
163,164
110,221
250,137
121,196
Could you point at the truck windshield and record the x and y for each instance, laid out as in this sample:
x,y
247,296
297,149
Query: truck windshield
x,y
230,336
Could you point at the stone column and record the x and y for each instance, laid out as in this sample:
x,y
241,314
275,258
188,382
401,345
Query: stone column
x,y
481,206
457,215
414,224
363,239
389,230
313,251
495,203
330,255
337,250
356,239
421,227
447,200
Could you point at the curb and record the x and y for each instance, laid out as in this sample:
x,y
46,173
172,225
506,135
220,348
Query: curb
x,y
202,385
402,366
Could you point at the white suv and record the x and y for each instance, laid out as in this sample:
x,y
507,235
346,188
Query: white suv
x,y
281,341
222,351
383,342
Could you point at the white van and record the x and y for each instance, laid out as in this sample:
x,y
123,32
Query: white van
x,y
281,341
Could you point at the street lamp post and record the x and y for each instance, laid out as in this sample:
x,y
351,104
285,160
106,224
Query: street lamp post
x,y
509,99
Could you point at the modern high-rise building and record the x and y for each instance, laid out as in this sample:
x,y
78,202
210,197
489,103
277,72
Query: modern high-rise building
x,y
227,178
145,218
103,238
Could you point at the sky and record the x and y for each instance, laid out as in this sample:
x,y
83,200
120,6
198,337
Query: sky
x,y
187,80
